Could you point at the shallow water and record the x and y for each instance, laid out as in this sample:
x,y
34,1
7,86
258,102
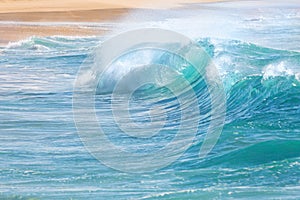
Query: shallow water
x,y
257,155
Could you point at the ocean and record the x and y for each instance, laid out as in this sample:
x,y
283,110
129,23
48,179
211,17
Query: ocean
x,y
255,47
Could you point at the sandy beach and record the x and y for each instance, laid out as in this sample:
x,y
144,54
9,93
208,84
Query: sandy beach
x,y
12,6
16,15
16,26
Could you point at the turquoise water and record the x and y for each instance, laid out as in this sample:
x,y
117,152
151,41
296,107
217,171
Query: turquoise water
x,y
257,155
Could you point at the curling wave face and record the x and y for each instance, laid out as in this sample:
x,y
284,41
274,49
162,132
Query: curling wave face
x,y
258,151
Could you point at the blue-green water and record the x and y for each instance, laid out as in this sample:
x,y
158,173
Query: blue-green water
x,y
257,155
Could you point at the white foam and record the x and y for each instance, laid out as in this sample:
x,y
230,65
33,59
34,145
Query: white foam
x,y
19,43
278,69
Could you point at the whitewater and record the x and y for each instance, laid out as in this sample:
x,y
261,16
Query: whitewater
x,y
254,46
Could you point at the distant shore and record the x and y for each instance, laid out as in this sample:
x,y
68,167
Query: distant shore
x,y
69,11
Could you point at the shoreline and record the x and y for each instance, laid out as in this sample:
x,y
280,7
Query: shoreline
x,y
19,26
13,33
19,19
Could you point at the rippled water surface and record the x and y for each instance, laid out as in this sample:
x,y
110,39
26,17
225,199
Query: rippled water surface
x,y
257,155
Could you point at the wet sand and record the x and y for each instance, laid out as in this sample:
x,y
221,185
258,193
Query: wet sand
x,y
24,18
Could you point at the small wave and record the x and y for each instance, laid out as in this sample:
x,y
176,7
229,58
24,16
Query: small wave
x,y
32,43
55,42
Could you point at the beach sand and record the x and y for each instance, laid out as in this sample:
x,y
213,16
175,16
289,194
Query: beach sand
x,y
24,18
16,26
